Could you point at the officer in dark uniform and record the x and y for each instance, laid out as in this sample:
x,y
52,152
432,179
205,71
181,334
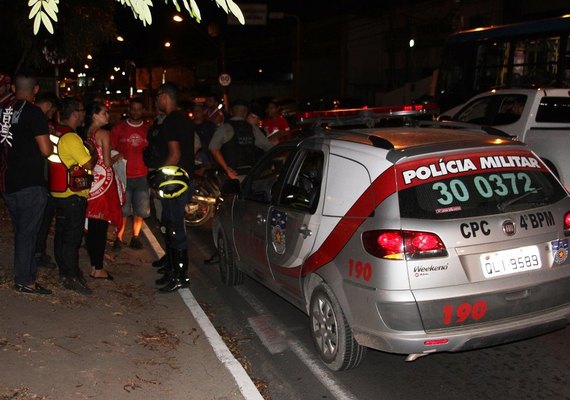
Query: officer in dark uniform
x,y
236,144
171,154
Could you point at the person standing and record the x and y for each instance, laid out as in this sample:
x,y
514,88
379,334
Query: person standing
x,y
172,145
276,126
104,201
129,138
24,143
213,110
205,130
237,144
49,104
71,155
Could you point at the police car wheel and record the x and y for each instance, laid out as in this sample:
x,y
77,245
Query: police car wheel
x,y
331,333
229,274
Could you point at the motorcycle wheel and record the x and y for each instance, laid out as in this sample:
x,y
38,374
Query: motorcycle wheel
x,y
198,213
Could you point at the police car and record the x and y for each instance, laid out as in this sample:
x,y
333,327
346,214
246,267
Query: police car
x,y
405,240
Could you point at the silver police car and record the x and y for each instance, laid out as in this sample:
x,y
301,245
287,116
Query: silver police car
x,y
404,240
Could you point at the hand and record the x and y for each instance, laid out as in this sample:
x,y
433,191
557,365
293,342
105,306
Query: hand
x,y
90,147
231,173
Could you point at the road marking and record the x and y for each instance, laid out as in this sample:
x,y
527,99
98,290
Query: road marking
x,y
325,376
269,331
244,382
156,247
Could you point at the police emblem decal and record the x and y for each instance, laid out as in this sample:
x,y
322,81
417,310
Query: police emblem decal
x,y
559,250
278,230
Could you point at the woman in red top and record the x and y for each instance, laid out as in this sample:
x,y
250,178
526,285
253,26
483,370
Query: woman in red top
x,y
103,204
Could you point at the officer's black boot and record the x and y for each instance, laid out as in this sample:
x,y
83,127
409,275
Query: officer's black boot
x,y
167,269
179,277
161,262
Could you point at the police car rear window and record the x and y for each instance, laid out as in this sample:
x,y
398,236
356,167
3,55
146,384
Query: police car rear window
x,y
475,185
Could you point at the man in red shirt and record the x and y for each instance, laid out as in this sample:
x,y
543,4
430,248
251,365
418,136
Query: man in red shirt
x,y
275,124
129,138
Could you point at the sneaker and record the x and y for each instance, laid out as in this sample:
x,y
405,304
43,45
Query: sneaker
x,y
135,243
44,261
118,244
77,284
35,289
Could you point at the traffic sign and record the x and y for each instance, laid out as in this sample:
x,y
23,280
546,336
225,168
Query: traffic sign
x,y
225,79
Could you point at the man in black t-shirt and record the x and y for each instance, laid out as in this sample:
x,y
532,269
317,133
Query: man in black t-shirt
x,y
24,142
174,145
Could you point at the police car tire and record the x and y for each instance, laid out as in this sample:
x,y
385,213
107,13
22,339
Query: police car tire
x,y
229,274
327,318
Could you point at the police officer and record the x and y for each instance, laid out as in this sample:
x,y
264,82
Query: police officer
x,y
236,144
171,153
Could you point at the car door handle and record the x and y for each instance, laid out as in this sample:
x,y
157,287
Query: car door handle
x,y
305,231
260,220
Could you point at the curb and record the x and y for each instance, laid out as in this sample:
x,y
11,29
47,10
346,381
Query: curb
x,y
223,353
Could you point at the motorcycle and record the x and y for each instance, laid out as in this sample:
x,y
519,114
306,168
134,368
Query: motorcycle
x,y
205,197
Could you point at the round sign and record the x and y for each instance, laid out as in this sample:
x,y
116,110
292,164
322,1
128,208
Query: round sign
x,y
225,79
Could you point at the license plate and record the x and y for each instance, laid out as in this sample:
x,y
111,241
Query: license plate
x,y
510,261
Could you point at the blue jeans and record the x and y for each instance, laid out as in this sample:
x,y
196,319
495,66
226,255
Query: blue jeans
x,y
26,208
137,198
69,226
173,220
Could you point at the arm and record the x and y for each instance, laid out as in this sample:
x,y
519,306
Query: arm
x,y
261,140
45,145
102,137
173,153
221,136
217,154
197,143
91,163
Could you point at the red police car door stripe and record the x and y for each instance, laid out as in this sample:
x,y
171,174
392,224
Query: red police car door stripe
x,y
381,188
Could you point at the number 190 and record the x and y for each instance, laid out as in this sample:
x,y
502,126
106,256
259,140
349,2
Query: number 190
x,y
464,311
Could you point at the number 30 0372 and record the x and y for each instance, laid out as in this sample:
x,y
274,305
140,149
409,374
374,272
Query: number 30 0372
x,y
463,312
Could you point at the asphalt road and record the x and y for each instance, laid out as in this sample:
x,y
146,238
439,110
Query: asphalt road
x,y
274,340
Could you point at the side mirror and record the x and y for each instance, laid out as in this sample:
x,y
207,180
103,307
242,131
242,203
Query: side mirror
x,y
444,118
230,187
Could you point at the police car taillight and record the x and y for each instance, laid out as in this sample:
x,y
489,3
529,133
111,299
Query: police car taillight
x,y
567,224
400,245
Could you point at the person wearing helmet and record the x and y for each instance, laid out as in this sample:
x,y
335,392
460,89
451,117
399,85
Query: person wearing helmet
x,y
171,145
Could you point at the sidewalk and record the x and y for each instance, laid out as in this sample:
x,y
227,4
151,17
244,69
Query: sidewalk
x,y
125,340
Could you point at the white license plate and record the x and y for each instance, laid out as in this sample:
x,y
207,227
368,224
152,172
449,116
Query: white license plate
x,y
510,261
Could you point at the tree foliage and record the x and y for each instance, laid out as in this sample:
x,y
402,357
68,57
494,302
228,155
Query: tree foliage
x,y
45,12
82,25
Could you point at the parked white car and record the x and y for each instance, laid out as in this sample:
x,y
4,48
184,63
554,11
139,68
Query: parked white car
x,y
538,117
